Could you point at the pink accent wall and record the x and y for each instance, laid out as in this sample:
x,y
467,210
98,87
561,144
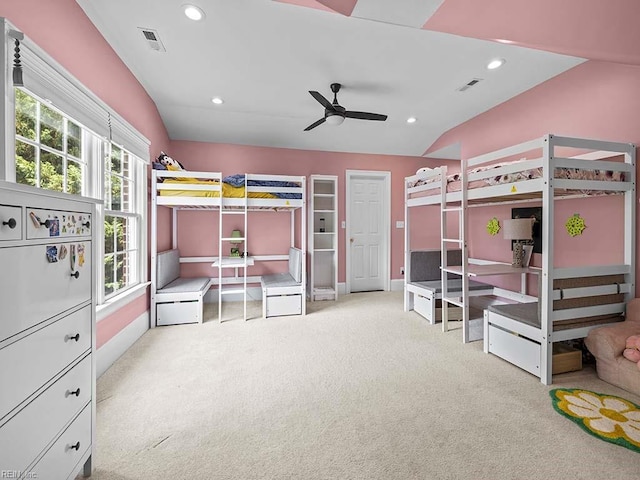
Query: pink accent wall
x,y
62,29
269,232
110,326
592,100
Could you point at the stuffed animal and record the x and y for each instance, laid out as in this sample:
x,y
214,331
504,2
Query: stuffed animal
x,y
169,163
632,350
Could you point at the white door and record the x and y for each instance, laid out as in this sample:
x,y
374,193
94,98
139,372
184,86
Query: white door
x,y
368,231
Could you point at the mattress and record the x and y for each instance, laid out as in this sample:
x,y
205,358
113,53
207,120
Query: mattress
x,y
230,188
454,181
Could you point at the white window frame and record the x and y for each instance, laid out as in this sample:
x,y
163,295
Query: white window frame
x,y
51,81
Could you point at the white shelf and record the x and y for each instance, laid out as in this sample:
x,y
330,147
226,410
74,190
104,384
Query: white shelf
x,y
323,253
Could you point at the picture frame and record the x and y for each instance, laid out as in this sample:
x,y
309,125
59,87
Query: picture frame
x,y
528,250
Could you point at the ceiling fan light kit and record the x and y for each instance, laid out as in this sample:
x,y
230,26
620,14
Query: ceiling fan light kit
x,y
334,113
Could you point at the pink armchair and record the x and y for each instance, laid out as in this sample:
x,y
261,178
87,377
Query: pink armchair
x,y
607,343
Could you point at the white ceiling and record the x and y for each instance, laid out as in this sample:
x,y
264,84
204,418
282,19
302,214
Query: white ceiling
x,y
262,57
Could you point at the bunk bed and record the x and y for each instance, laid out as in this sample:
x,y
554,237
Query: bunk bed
x,y
231,195
571,300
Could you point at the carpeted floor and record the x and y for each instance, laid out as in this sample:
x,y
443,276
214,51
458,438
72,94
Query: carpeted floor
x,y
357,389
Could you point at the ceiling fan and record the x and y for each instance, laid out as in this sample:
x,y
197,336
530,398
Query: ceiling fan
x,y
334,113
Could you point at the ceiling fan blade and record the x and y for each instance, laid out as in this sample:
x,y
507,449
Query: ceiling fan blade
x,y
323,101
315,124
365,116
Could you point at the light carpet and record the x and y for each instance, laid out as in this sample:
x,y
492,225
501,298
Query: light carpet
x,y
356,389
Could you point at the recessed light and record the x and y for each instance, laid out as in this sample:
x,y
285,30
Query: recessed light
x,y
412,120
217,100
497,63
192,12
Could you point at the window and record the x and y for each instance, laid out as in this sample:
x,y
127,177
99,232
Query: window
x,y
53,151
49,147
121,222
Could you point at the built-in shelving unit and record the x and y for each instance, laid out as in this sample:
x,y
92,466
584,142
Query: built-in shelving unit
x,y
323,237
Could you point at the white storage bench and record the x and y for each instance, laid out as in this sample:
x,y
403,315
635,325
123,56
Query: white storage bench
x,y
283,293
178,300
424,286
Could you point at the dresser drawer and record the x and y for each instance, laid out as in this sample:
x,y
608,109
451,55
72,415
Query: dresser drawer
x,y
27,434
32,289
62,460
10,223
39,357
43,223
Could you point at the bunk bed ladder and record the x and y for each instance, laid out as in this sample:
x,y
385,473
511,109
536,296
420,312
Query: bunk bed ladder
x,y
239,263
449,242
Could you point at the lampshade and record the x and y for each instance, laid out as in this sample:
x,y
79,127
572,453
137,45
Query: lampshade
x,y
236,234
334,119
517,228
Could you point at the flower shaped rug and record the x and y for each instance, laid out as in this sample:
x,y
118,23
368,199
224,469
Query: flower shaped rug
x,y
609,418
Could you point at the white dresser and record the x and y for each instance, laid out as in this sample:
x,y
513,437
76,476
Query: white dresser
x,y
47,333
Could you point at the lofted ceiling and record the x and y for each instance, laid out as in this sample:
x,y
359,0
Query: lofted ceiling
x,y
403,58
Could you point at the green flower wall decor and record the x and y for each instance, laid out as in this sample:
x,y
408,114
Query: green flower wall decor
x,y
493,227
575,225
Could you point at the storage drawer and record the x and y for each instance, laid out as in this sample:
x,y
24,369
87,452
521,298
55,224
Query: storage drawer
x,y
63,459
27,434
423,306
177,313
43,223
518,350
565,359
36,289
39,357
10,223
284,305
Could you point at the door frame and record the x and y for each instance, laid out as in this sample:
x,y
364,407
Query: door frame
x,y
386,220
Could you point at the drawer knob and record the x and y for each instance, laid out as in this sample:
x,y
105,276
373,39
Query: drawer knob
x,y
75,447
86,224
76,274
75,337
46,223
75,392
11,223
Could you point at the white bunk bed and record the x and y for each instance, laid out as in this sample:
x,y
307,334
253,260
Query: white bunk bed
x,y
572,300
191,190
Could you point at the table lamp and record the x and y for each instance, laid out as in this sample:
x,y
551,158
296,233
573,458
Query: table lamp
x,y
518,229
235,251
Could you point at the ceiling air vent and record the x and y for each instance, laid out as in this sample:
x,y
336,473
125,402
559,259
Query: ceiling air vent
x,y
153,39
468,85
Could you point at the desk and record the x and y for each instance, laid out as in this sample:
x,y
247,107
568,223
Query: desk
x,y
233,262
485,270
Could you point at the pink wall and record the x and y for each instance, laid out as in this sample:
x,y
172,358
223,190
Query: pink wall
x,y
198,233
593,100
62,29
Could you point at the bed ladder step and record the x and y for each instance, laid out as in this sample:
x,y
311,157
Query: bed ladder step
x,y
454,301
452,209
231,291
453,240
232,212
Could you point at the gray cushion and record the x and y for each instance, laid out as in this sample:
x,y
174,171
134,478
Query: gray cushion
x,y
168,263
295,264
278,280
522,312
185,285
425,264
454,285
